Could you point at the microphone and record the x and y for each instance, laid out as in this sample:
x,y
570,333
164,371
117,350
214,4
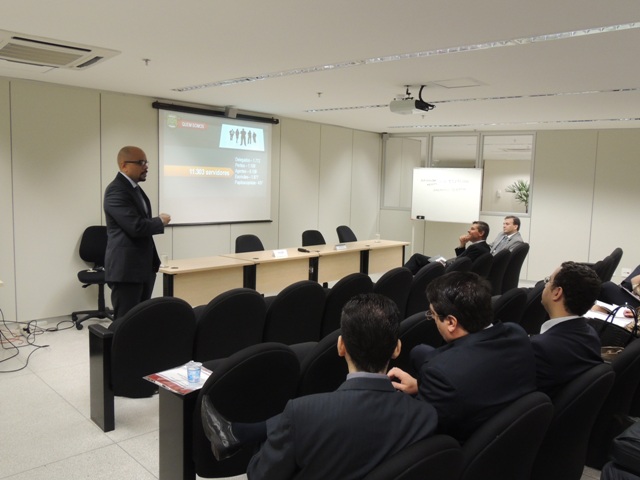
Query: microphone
x,y
304,250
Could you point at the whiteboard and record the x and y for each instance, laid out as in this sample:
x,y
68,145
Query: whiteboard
x,y
446,194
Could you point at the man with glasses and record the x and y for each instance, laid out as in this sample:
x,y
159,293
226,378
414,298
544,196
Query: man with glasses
x,y
567,345
483,367
131,259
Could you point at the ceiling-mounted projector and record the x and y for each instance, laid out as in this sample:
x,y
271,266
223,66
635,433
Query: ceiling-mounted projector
x,y
408,105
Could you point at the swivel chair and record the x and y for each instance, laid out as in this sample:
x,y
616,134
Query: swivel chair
x,y
93,246
345,234
248,243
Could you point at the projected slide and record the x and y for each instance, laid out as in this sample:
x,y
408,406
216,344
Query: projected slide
x,y
214,169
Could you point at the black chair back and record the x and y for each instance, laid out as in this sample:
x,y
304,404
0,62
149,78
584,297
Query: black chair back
x,y
415,330
346,288
614,261
230,322
322,369
395,284
459,264
505,446
438,457
248,243
417,299
534,314
251,385
155,335
312,237
345,234
563,451
512,273
482,265
93,245
295,314
509,306
496,273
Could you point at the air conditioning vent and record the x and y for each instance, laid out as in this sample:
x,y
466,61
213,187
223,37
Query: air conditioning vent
x,y
31,50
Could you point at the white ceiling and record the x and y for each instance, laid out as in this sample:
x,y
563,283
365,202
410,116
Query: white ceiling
x,y
589,80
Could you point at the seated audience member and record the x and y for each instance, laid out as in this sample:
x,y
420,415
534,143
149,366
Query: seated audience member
x,y
627,293
482,368
510,236
476,236
342,434
567,345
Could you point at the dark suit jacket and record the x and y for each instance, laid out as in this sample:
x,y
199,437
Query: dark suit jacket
x,y
470,379
131,254
474,250
563,352
342,434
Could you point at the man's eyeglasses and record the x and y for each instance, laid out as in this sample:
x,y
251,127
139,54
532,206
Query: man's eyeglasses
x,y
546,280
140,163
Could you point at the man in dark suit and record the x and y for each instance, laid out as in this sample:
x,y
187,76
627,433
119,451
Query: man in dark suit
x,y
482,368
476,236
628,292
131,259
509,237
567,345
346,433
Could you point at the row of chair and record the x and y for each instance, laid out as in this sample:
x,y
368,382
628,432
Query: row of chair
x,y
252,243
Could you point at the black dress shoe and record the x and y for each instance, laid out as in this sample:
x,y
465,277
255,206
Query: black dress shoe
x,y
218,430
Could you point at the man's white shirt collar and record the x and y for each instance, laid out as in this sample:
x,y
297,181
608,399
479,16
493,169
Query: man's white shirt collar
x,y
555,321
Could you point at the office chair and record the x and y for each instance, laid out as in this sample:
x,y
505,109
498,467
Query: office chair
x,y
496,272
345,234
509,306
312,237
417,298
512,273
93,246
395,284
248,243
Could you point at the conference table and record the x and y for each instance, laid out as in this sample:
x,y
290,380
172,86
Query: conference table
x,y
198,280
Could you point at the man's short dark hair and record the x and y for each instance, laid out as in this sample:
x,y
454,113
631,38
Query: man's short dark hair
x,y
516,220
370,325
483,228
580,286
466,296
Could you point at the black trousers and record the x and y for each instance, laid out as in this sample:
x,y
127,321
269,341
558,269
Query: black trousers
x,y
125,296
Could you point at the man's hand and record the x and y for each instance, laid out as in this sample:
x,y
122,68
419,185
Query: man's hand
x,y
165,217
464,239
402,381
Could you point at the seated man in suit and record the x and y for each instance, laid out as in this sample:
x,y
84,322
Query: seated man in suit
x,y
628,292
510,236
342,434
476,236
567,345
482,368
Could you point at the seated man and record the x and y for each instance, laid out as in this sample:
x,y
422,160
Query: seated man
x,y
627,293
567,345
342,434
476,237
510,236
482,368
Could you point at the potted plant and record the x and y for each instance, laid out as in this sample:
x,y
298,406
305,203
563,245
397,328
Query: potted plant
x,y
521,189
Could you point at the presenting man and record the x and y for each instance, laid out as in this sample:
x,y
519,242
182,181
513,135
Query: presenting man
x,y
482,368
131,259
567,345
510,236
476,237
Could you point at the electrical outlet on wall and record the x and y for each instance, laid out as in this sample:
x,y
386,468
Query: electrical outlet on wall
x,y
625,272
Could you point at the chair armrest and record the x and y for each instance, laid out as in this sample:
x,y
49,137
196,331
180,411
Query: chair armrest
x,y
101,392
100,330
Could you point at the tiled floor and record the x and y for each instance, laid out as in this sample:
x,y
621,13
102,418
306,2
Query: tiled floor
x,y
45,430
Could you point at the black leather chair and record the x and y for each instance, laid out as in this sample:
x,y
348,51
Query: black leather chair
x,y
153,336
615,257
336,298
295,314
395,284
613,416
345,234
459,264
230,322
312,237
496,273
505,446
93,246
415,330
512,273
251,385
509,306
482,265
322,369
534,314
248,243
417,299
563,451
438,458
